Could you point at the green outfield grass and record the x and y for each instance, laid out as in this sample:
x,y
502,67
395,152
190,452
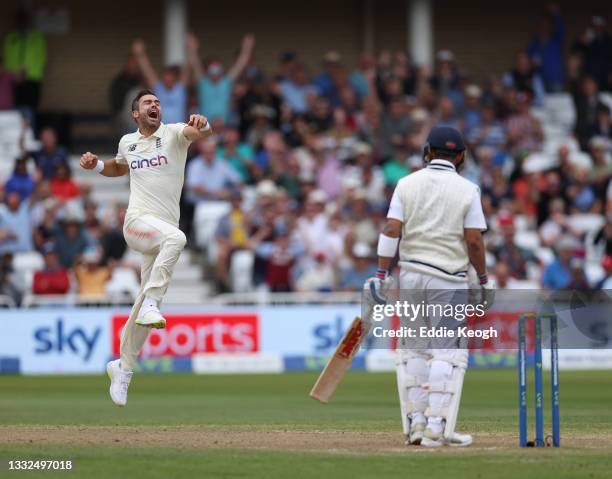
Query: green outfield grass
x,y
166,429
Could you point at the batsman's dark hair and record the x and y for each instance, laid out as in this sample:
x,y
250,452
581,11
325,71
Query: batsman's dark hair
x,y
444,154
139,95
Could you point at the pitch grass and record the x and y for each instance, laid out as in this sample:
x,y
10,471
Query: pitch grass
x,y
365,402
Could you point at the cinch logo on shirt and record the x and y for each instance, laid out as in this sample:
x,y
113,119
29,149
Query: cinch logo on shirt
x,y
155,161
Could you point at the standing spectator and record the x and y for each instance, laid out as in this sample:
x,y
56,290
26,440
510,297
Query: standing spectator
x,y
16,222
62,185
209,177
446,80
546,49
20,181
586,101
123,83
358,78
170,89
50,155
25,53
53,278
595,46
214,86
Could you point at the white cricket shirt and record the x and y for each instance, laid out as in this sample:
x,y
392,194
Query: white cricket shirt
x,y
435,204
157,170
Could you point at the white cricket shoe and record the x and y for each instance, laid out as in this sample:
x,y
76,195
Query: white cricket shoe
x,y
151,319
432,437
120,382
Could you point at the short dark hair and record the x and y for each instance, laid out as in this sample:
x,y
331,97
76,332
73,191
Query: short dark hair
x,y
444,154
139,95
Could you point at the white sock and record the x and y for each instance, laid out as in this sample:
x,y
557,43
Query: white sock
x,y
148,304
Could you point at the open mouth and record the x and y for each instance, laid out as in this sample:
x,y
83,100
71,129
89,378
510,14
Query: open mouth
x,y
154,114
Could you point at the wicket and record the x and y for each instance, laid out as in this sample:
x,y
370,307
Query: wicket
x,y
540,441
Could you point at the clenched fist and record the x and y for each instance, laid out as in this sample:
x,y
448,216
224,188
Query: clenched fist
x,y
88,161
197,121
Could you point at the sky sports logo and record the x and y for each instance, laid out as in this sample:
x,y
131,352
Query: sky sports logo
x,y
158,160
186,335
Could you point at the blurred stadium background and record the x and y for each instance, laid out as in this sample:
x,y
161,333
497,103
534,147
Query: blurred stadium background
x,y
318,108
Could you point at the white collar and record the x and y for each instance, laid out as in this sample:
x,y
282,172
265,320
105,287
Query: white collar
x,y
438,164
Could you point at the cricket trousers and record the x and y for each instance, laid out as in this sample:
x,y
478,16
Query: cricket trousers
x,y
160,244
417,362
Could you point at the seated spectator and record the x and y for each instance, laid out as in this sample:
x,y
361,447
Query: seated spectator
x,y
490,131
506,250
296,88
502,277
71,239
9,283
279,256
362,268
524,130
15,225
45,230
232,235
560,273
208,176
91,275
587,103
53,278
50,155
524,79
20,181
606,281
318,277
112,240
62,185
238,155
557,224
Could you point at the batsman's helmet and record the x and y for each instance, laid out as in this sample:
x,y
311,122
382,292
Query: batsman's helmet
x,y
444,139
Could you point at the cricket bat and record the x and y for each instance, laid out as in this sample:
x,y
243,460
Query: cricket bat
x,y
340,361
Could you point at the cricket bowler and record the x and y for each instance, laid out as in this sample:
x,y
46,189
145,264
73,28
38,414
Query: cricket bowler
x,y
438,215
155,157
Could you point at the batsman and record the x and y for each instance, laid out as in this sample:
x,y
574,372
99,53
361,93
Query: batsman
x,y
438,216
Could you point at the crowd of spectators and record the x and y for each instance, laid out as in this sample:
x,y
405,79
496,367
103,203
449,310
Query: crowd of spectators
x,y
307,161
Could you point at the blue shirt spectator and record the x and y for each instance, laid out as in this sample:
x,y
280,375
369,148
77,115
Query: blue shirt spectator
x,y
20,181
546,50
173,100
209,177
214,96
50,156
15,225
